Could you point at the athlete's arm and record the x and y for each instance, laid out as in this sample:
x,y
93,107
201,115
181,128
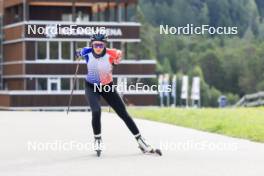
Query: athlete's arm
x,y
115,56
82,53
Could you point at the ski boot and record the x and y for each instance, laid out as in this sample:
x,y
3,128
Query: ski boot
x,y
147,148
98,146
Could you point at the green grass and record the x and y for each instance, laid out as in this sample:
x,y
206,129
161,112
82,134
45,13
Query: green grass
x,y
247,123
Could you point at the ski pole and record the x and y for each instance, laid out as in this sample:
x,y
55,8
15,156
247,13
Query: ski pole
x,y
74,82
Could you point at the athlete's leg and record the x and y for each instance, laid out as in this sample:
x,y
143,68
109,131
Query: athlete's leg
x,y
94,100
115,101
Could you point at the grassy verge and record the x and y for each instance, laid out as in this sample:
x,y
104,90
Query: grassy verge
x,y
245,123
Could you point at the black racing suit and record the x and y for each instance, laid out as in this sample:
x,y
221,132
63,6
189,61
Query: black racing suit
x,y
114,100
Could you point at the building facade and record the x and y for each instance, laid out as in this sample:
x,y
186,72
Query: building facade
x,y
38,43
1,46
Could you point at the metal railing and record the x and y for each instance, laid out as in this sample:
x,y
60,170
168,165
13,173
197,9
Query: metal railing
x,y
251,100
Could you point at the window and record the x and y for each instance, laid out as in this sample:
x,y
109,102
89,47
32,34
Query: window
x,y
65,84
76,85
54,84
66,17
66,50
54,50
30,83
41,84
41,50
17,16
82,16
81,44
81,85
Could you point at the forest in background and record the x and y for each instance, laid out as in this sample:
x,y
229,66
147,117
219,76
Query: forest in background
x,y
228,65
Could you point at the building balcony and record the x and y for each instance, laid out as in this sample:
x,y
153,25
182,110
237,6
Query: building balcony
x,y
68,10
70,31
10,3
24,69
43,100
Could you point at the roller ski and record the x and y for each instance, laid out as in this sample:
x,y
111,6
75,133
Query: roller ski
x,y
98,146
147,148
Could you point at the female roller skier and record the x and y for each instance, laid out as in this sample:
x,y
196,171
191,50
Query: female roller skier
x,y
100,61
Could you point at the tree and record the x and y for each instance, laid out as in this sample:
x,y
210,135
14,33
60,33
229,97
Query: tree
x,y
212,69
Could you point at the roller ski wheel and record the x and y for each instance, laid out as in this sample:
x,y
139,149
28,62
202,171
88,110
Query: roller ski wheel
x,y
147,148
152,151
98,153
98,145
158,152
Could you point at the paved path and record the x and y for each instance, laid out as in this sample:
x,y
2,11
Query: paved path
x,y
50,143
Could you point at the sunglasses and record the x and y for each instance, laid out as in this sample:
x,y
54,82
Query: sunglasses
x,y
98,45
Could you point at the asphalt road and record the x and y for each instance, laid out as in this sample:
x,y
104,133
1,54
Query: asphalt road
x,y
52,143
